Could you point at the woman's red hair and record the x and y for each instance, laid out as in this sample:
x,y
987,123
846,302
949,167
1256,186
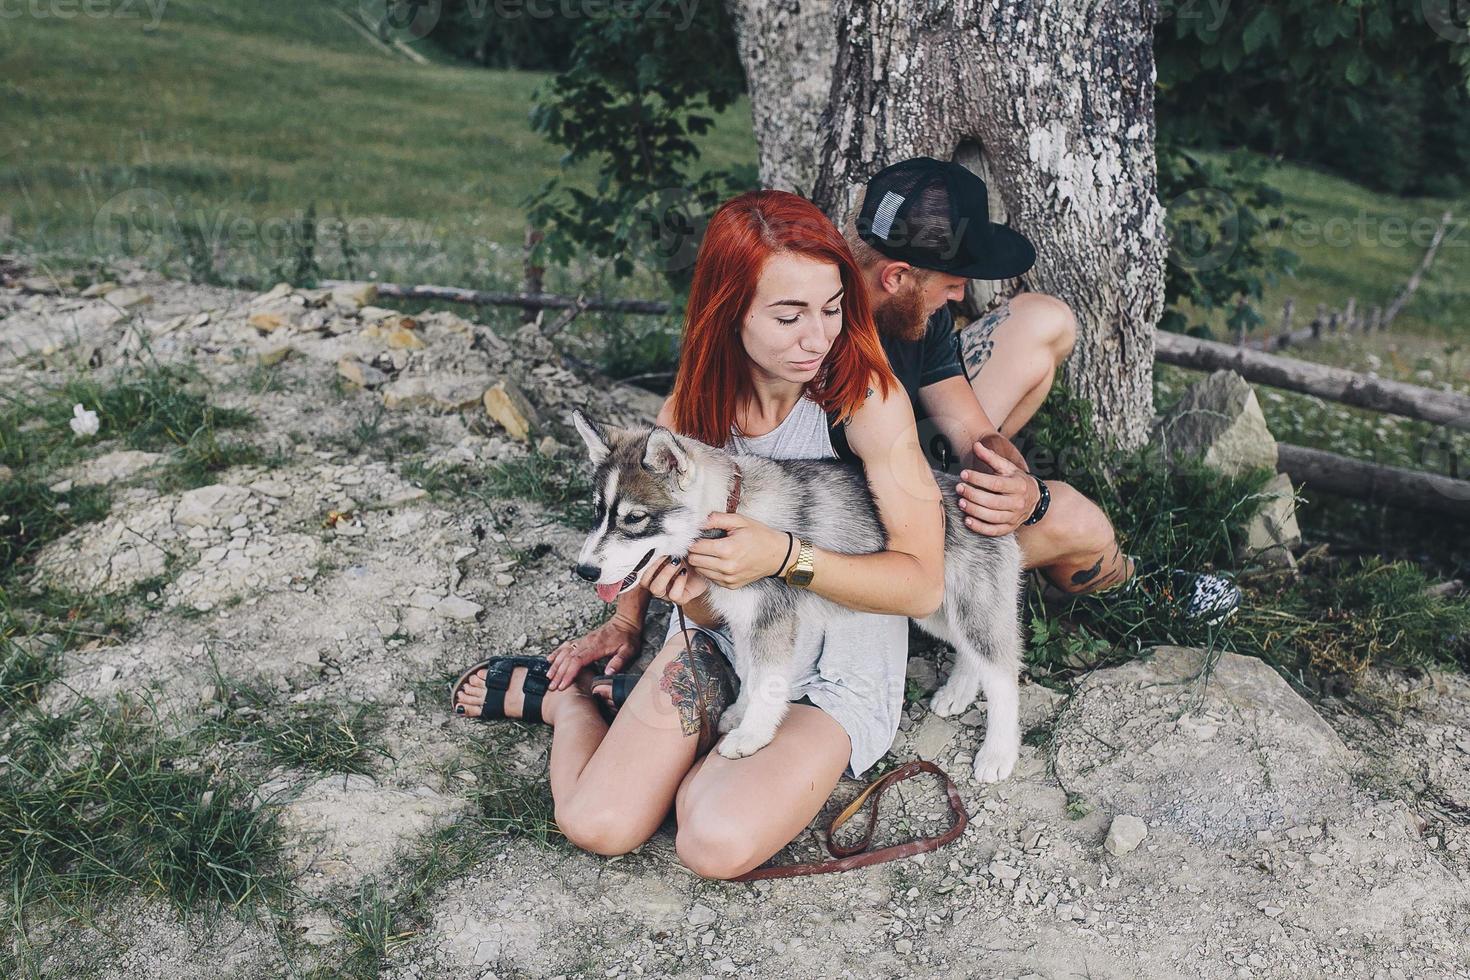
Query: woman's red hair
x,y
714,370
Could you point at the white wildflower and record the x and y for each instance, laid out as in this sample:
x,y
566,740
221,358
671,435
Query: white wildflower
x,y
83,421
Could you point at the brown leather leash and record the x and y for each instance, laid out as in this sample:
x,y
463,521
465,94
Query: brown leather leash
x,y
857,855
849,856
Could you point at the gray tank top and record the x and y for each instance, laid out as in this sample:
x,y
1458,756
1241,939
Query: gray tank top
x,y
802,434
859,673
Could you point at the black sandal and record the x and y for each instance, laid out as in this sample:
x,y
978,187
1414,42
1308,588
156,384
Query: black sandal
x,y
498,671
622,686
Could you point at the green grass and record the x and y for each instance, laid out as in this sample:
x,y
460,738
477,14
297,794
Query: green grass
x,y
248,113
508,802
1354,242
316,736
558,484
1322,629
151,407
98,800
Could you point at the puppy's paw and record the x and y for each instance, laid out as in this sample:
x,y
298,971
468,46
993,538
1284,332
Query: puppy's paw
x,y
730,719
952,698
741,743
995,761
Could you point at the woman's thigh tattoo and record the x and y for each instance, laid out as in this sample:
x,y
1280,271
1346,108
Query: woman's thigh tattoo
x,y
697,681
977,341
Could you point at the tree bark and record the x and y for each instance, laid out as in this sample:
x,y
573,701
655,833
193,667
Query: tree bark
x,y
787,48
1056,104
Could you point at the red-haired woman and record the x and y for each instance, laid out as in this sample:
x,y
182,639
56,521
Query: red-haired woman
x,y
778,335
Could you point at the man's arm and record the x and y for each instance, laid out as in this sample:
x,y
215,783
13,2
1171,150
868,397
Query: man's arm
x,y
996,491
955,411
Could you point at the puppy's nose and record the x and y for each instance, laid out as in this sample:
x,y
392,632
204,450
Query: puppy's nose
x,y
589,572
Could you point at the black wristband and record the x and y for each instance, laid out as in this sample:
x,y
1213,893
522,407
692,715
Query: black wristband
x,y
790,541
1041,505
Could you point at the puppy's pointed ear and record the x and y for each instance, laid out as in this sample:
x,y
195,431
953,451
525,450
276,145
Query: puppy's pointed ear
x,y
597,447
666,454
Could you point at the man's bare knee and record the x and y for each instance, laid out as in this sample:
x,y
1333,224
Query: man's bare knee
x,y
1051,321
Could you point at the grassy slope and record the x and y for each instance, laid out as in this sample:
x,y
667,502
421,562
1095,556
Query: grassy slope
x,y
255,110
1350,245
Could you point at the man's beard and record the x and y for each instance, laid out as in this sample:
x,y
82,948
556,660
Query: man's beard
x,y
902,315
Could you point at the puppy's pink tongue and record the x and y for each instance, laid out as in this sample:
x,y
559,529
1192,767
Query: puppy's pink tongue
x,y
608,592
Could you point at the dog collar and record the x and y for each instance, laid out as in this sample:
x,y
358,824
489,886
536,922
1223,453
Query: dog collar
x,y
733,500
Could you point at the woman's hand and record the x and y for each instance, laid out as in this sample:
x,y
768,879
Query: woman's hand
x,y
674,580
749,551
617,638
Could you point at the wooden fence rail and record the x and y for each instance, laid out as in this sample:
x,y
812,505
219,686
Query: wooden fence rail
x,y
1333,384
1328,471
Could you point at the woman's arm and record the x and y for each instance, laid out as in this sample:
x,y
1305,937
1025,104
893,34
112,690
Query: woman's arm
x,y
908,578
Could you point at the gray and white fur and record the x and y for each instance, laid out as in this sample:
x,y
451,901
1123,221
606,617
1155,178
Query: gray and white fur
x,y
654,490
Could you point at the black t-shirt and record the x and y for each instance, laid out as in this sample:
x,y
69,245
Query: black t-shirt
x,y
918,364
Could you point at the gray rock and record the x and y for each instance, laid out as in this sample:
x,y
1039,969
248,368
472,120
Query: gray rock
x,y
1273,532
457,607
129,297
1125,834
114,466
933,736
701,915
1220,420
210,506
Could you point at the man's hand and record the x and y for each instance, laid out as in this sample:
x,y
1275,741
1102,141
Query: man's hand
x,y
995,503
748,552
617,638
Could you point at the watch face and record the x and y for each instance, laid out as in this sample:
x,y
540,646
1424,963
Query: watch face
x,y
801,577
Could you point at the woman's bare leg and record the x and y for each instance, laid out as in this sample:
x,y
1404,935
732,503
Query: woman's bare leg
x,y
613,785
733,814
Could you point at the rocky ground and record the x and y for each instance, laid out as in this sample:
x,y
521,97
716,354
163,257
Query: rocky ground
x,y
1188,815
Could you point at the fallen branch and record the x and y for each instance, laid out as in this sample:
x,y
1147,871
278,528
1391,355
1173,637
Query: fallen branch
x,y
1406,489
526,301
1333,384
1402,299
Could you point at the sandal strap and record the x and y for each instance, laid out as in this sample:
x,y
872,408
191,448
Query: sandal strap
x,y
498,673
534,686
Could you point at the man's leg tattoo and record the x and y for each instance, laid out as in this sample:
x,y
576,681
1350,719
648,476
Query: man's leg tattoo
x,y
977,340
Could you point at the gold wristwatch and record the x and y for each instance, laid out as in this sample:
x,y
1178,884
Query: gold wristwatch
x,y
799,575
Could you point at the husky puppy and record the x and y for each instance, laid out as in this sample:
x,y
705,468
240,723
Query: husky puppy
x,y
654,490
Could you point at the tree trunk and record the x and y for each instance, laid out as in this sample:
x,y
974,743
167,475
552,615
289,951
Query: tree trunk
x,y
1055,105
787,48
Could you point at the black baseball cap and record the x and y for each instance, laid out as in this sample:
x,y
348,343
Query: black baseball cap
x,y
936,215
